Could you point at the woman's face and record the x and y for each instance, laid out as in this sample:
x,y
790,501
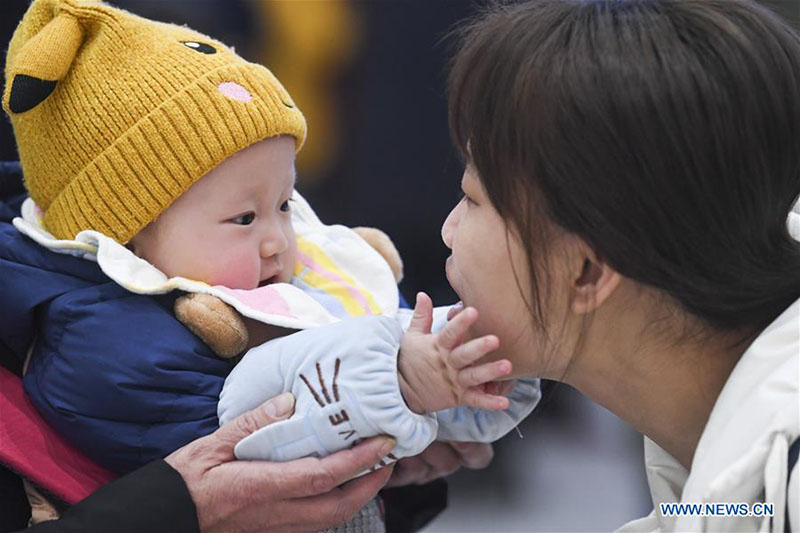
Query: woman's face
x,y
488,270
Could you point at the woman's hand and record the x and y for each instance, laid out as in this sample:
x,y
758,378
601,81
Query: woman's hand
x,y
257,495
438,460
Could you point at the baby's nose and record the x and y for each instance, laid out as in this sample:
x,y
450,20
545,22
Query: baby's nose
x,y
274,243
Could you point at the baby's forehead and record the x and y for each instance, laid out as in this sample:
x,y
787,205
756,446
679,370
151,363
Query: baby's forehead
x,y
265,170
235,188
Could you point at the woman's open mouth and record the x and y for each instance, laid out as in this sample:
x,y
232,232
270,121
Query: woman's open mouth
x,y
448,266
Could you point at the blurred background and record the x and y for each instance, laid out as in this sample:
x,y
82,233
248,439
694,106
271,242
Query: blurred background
x,y
370,77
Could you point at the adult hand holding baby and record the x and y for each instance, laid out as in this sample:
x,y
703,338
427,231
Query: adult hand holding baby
x,y
439,460
304,494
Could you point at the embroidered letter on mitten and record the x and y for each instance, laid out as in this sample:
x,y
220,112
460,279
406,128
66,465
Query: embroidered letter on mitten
x,y
344,379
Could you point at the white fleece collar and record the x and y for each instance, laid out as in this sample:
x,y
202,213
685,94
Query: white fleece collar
x,y
337,274
741,455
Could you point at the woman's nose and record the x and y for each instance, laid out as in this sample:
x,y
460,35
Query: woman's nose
x,y
450,224
274,242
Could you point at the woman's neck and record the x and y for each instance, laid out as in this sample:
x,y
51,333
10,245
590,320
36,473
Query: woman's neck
x,y
665,387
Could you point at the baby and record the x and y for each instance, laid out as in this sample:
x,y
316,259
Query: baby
x,y
161,139
240,213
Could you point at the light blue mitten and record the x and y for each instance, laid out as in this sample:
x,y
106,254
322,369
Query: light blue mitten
x,y
344,379
464,423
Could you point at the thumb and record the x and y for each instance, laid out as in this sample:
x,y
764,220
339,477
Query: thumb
x,y
278,408
423,314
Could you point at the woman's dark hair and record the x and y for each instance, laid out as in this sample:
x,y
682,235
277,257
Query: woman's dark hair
x,y
664,133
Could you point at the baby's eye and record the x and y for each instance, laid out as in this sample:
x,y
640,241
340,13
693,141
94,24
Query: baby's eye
x,y
245,219
285,207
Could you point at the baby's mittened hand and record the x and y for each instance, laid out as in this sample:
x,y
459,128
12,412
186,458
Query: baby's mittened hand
x,y
437,371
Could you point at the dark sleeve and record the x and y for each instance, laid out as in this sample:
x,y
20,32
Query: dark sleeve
x,y
153,498
410,508
121,379
15,510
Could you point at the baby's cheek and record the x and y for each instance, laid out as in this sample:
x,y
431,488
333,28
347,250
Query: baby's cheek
x,y
236,272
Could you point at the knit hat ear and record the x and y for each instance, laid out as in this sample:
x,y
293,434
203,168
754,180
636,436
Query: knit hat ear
x,y
41,63
115,115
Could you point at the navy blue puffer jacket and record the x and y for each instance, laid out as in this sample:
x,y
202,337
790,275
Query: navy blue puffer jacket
x,y
114,372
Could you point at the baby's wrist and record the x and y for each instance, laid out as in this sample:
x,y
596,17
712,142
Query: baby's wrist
x,y
412,399
406,378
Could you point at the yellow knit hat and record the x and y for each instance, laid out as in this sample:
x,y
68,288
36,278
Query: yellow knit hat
x,y
115,115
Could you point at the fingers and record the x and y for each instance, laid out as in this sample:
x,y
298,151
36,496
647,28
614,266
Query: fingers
x,y
340,505
453,311
474,454
437,460
506,387
472,376
360,490
408,470
309,477
441,458
423,314
471,351
454,330
499,388
273,410
480,400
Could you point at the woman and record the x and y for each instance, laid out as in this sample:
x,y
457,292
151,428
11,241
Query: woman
x,y
630,167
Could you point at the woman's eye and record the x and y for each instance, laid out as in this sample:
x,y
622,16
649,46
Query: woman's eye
x,y
467,200
244,220
285,207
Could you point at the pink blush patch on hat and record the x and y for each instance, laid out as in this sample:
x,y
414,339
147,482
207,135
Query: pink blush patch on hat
x,y
234,91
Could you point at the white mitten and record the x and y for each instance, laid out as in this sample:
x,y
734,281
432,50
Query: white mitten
x,y
344,379
464,423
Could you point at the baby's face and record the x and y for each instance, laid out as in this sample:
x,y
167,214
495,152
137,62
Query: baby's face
x,y
233,226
